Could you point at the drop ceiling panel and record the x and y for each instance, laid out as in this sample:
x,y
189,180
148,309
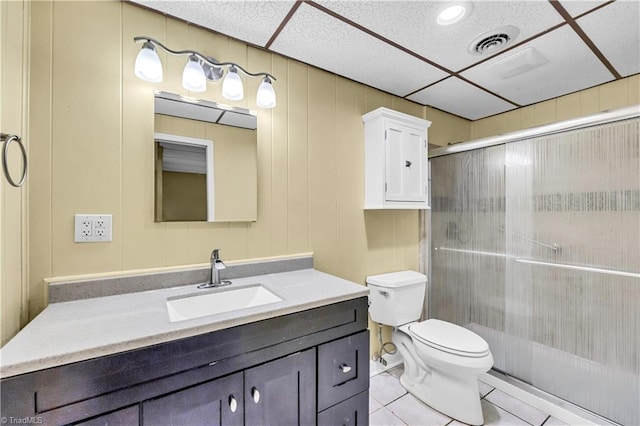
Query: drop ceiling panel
x,y
250,21
320,37
622,49
316,38
570,66
461,98
412,24
578,7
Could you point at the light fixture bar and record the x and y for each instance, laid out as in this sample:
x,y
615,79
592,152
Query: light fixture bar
x,y
207,60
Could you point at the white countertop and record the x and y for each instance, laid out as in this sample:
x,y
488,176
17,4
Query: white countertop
x,y
79,330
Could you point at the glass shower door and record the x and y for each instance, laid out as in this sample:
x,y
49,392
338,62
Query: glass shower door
x,y
573,248
535,246
468,259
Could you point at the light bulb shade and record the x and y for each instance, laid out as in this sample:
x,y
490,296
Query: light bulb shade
x,y
193,77
266,96
148,66
232,88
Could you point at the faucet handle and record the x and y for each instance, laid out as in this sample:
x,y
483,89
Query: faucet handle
x,y
215,255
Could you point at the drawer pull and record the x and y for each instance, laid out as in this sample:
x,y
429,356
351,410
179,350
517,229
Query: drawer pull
x,y
233,404
383,293
345,368
255,394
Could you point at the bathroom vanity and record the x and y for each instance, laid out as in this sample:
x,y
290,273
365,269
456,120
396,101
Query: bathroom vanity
x,y
302,361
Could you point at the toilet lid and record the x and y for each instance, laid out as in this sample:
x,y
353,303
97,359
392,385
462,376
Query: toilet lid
x,y
449,337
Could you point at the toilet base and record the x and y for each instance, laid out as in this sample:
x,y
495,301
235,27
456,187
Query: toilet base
x,y
454,395
458,399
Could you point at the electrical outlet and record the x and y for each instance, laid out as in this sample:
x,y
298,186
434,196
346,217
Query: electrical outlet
x,y
102,227
92,228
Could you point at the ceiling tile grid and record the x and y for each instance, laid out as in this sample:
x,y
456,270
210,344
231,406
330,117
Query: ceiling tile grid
x,y
578,7
570,66
412,24
623,50
396,45
317,38
461,98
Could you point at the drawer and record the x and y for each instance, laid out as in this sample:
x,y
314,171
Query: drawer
x,y
352,412
343,369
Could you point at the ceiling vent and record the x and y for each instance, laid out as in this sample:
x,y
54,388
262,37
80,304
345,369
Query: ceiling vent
x,y
490,42
517,63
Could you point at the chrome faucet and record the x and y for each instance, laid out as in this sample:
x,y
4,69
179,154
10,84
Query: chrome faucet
x,y
216,265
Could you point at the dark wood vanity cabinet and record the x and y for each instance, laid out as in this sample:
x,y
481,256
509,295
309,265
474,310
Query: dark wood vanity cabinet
x,y
217,402
282,392
306,368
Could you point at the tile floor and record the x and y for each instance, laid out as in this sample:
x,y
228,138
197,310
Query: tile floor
x,y
391,405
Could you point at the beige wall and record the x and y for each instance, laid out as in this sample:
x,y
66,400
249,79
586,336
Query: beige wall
x,y
14,27
617,94
91,127
90,135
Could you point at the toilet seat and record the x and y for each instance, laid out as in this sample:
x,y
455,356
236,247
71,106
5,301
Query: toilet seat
x,y
450,338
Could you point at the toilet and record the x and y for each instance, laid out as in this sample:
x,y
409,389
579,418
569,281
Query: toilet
x,y
442,361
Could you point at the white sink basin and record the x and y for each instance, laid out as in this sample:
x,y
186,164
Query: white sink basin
x,y
227,300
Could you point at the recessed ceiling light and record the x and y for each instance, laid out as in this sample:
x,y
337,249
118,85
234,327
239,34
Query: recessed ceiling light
x,y
454,12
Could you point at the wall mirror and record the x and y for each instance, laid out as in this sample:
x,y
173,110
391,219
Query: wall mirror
x,y
205,161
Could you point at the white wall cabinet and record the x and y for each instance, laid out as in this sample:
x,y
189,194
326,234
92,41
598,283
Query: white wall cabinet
x,y
396,166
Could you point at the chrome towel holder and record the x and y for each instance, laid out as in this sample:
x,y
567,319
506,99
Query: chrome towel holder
x,y
7,139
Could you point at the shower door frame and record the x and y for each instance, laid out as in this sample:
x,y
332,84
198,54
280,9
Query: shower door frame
x,y
607,117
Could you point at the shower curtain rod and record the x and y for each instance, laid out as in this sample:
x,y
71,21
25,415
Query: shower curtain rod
x,y
605,117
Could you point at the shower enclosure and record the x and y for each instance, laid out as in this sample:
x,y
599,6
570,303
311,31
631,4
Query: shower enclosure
x,y
535,246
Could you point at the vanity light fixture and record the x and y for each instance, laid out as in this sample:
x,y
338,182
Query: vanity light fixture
x,y
148,66
193,77
266,97
454,12
232,85
199,69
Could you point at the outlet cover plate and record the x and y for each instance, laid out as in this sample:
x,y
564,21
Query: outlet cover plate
x,y
92,228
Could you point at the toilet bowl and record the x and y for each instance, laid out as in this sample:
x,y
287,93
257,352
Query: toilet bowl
x,y
442,361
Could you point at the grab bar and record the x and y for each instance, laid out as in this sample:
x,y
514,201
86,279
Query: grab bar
x,y
539,262
7,139
484,253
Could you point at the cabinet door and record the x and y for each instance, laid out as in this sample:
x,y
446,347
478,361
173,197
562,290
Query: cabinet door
x,y
405,163
127,416
218,402
282,392
352,412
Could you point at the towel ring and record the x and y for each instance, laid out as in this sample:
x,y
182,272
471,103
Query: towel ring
x,y
7,139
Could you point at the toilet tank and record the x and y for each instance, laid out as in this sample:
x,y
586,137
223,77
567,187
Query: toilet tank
x,y
396,298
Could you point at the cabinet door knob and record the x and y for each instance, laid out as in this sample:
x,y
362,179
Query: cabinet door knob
x,y
255,394
345,368
407,163
233,404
